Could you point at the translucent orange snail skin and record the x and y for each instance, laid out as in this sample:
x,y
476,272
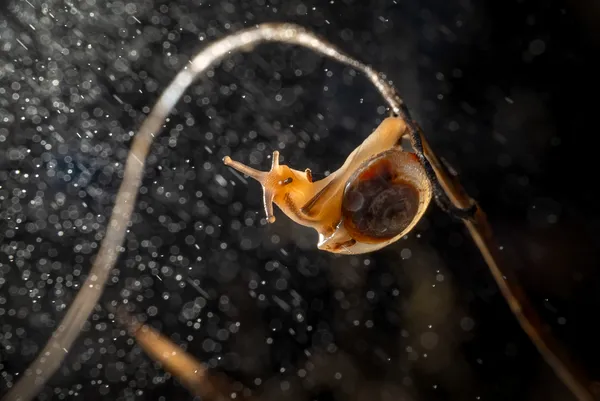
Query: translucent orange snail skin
x,y
376,197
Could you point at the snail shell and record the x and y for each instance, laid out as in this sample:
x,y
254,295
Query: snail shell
x,y
383,200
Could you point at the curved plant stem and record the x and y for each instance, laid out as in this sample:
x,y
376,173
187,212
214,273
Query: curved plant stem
x,y
50,358
61,341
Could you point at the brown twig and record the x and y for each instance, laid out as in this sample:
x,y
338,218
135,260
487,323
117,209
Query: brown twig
x,y
481,232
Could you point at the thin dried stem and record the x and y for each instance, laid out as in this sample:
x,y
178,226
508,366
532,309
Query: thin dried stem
x,y
481,232
50,358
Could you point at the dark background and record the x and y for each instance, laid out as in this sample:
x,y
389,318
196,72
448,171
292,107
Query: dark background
x,y
507,92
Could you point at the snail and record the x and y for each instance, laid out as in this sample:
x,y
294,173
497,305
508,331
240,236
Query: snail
x,y
376,197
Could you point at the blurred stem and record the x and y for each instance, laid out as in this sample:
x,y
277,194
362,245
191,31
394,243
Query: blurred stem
x,y
481,232
189,371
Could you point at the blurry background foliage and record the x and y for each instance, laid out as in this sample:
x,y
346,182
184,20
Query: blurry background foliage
x,y
506,92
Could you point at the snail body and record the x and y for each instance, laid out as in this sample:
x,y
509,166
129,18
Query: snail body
x,y
377,196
